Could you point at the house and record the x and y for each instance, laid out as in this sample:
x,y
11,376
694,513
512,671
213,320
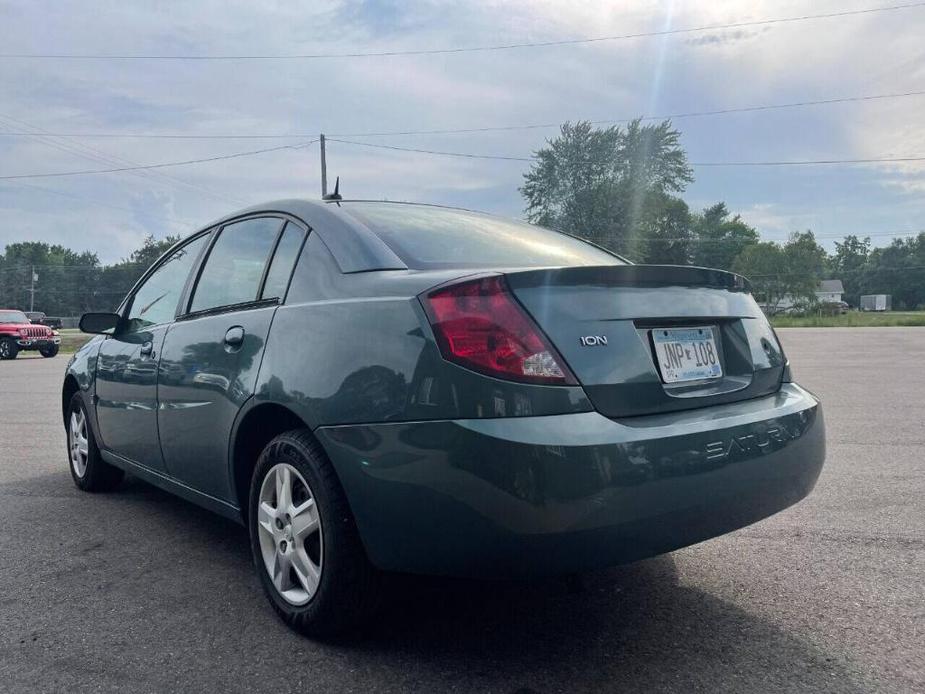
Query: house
x,y
828,292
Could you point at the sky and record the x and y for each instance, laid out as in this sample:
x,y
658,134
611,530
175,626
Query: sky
x,y
110,214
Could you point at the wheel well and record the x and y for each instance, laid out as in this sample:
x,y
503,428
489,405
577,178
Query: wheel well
x,y
70,387
259,426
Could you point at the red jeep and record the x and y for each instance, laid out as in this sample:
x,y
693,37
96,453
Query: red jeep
x,y
17,333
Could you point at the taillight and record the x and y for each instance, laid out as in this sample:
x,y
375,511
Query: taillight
x,y
479,324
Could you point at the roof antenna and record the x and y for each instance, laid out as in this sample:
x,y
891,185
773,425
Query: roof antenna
x,y
336,194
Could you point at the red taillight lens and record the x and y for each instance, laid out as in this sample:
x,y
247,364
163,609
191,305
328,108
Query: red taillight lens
x,y
478,324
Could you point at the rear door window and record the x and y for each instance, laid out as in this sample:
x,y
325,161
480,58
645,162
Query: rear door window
x,y
234,268
287,250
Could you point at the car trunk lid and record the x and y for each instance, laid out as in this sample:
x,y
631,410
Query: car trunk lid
x,y
613,325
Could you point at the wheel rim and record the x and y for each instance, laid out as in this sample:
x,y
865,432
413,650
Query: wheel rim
x,y
289,530
77,437
4,348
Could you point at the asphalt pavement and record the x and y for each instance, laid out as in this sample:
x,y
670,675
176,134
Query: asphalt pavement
x,y
139,591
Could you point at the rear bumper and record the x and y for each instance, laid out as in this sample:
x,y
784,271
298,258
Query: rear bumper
x,y
529,496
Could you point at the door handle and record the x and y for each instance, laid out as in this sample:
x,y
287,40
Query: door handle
x,y
147,349
235,336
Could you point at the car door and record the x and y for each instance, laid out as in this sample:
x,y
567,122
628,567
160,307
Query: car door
x,y
126,380
211,354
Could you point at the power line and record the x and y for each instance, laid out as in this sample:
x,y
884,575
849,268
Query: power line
x,y
464,49
86,151
143,167
469,155
456,131
669,116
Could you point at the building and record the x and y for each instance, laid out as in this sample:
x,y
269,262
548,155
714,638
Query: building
x,y
828,292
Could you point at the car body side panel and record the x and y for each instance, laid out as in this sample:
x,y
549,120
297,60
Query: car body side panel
x,y
546,495
202,385
126,396
358,349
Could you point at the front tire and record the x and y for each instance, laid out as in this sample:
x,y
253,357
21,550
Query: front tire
x,y
305,543
8,348
88,469
49,352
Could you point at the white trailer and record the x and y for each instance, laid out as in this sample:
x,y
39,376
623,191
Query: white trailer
x,y
875,302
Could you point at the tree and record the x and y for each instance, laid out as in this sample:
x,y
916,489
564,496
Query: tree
x,y
849,264
764,265
64,278
719,239
792,270
805,261
606,184
899,270
664,231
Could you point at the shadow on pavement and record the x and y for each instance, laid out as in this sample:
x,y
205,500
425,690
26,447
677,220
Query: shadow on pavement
x,y
632,628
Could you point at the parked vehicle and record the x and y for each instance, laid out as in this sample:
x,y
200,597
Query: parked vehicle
x,y
373,386
40,318
17,333
876,302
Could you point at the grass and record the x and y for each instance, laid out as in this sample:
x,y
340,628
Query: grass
x,y
853,319
72,339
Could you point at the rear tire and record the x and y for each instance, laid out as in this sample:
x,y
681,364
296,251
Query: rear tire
x,y
8,348
306,546
49,352
88,469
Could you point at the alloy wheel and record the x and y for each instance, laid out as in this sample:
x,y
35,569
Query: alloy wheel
x,y
4,349
79,445
289,530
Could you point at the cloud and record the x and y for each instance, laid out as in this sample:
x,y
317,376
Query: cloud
x,y
862,54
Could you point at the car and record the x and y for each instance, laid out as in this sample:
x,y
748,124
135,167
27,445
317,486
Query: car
x,y
380,387
40,318
18,333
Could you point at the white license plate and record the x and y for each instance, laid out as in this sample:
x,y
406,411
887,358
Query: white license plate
x,y
686,354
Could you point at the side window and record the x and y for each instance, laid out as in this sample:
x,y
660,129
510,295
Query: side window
x,y
283,259
156,300
235,265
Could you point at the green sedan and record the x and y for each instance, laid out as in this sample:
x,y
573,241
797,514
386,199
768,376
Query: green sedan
x,y
380,387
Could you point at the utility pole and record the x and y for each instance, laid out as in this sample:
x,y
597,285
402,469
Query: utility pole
x,y
32,291
324,170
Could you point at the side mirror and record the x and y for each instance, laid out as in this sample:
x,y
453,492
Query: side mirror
x,y
99,323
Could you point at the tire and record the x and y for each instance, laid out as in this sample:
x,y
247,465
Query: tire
x,y
8,348
338,589
88,469
49,352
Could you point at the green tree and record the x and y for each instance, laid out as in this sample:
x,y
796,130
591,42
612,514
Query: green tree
x,y
765,265
606,185
792,270
64,279
665,233
849,264
719,239
898,270
805,262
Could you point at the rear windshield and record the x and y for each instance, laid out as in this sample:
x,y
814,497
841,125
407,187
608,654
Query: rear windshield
x,y
432,237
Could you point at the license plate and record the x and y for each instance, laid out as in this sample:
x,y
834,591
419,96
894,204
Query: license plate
x,y
686,354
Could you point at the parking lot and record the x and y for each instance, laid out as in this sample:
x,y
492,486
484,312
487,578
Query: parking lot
x,y
139,591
